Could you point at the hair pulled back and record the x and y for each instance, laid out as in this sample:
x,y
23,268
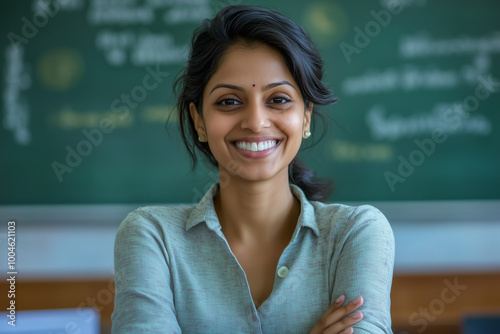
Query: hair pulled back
x,y
252,24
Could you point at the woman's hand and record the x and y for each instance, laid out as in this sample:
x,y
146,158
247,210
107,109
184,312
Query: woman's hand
x,y
335,319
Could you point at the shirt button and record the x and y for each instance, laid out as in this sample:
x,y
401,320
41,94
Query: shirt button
x,y
282,272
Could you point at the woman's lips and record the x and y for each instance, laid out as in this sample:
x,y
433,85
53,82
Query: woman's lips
x,y
254,149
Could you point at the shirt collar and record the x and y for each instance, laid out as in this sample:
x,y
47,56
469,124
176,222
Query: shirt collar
x,y
204,211
307,217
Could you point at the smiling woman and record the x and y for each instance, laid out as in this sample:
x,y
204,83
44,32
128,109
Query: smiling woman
x,y
237,117
259,253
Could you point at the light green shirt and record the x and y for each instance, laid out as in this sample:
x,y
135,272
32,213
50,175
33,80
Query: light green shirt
x,y
175,271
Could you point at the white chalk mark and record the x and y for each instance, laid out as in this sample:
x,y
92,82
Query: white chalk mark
x,y
17,111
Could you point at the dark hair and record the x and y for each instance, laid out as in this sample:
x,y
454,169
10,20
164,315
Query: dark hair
x,y
251,24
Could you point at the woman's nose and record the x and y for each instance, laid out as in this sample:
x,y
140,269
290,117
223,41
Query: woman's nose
x,y
255,118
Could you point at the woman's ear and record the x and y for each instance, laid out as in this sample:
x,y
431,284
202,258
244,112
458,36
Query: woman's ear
x,y
199,125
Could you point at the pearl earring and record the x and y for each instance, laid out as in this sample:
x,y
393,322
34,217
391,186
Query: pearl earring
x,y
202,138
307,134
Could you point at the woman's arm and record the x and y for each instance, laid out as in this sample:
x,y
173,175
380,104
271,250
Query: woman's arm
x,y
364,267
143,293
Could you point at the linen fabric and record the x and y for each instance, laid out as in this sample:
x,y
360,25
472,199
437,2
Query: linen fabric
x,y
175,272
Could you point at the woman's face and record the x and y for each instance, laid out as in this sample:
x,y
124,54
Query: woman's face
x,y
253,113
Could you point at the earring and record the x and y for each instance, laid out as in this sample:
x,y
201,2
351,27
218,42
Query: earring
x,y
307,133
202,138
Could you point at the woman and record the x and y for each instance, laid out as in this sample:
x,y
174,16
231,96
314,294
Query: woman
x,y
257,254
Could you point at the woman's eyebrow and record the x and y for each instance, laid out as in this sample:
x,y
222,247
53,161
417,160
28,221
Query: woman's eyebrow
x,y
222,85
267,87
279,83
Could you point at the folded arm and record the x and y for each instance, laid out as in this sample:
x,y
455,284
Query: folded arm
x,y
143,293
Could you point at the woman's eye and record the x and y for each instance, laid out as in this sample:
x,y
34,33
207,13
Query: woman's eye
x,y
228,102
280,100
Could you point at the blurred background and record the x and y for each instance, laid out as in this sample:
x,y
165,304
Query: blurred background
x,y
87,136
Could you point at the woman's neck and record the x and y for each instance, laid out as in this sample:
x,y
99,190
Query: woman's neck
x,y
257,212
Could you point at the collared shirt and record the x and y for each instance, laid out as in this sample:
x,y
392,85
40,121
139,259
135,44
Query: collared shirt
x,y
175,271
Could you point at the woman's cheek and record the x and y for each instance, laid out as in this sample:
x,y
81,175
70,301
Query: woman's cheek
x,y
217,129
294,126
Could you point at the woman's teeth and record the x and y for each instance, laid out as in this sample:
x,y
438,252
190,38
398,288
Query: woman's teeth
x,y
255,147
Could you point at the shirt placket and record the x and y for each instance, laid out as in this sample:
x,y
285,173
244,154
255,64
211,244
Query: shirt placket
x,y
251,322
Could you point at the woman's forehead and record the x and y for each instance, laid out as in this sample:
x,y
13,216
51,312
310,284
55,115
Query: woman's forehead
x,y
256,64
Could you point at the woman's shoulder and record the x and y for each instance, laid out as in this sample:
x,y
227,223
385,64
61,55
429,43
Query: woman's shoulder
x,y
174,218
158,217
341,217
358,229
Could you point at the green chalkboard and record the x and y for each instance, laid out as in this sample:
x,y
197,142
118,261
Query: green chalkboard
x,y
87,89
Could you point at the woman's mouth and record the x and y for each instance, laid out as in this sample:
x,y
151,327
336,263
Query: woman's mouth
x,y
256,146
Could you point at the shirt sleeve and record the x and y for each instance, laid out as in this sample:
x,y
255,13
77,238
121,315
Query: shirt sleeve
x,y
365,268
143,292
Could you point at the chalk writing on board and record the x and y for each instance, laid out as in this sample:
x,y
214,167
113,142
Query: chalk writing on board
x,y
423,45
157,49
68,118
127,38
342,150
17,110
119,12
387,126
409,77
